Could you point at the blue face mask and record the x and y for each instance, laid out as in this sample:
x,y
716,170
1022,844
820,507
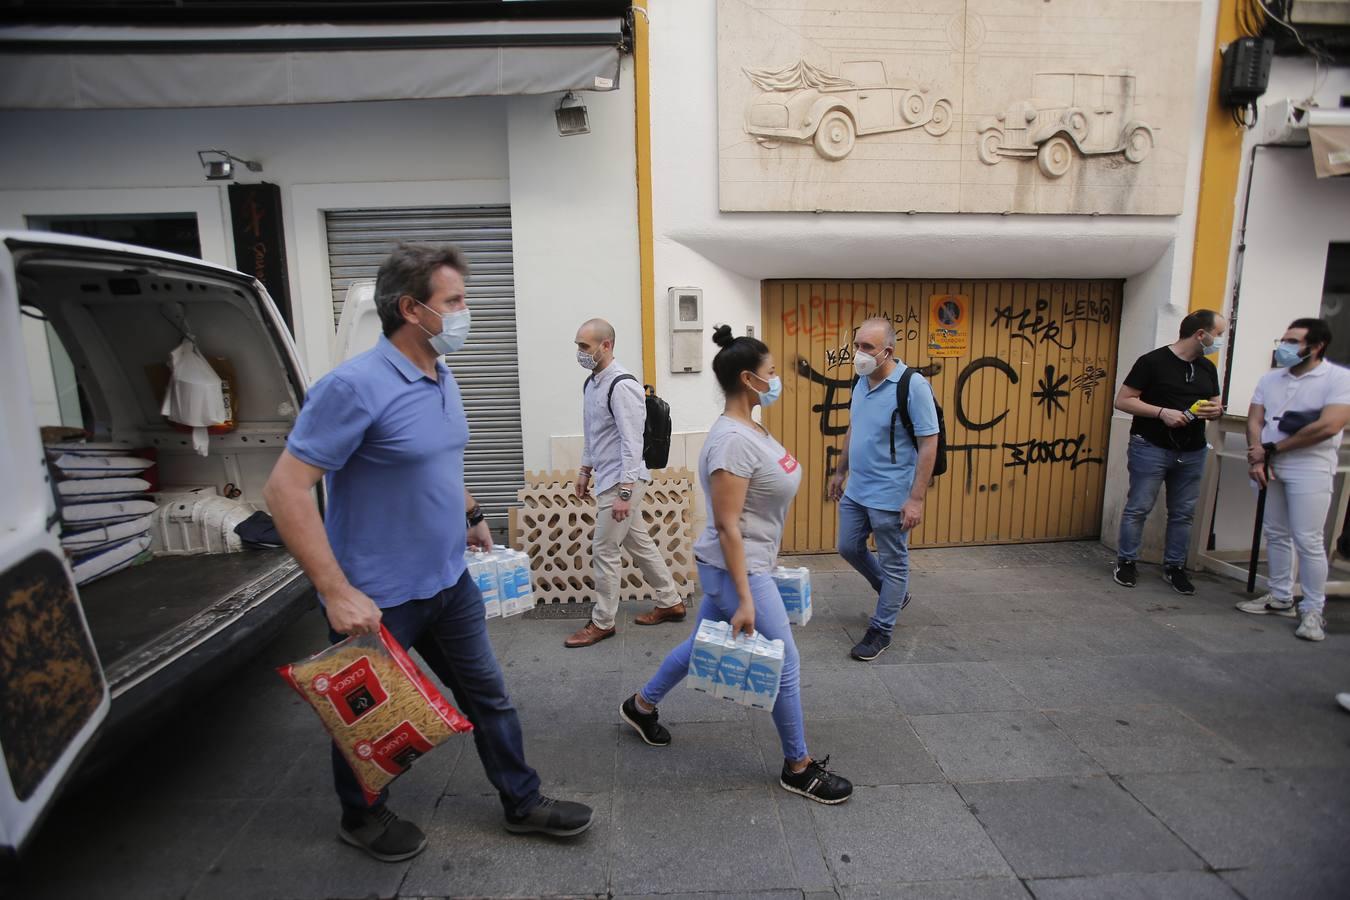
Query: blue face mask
x,y
1219,343
454,330
769,397
1287,355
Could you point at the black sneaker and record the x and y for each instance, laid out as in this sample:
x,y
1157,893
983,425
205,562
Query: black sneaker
x,y
645,724
817,783
1176,577
873,644
560,818
382,834
1125,574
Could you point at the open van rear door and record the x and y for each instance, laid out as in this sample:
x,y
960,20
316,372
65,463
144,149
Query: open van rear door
x,y
53,695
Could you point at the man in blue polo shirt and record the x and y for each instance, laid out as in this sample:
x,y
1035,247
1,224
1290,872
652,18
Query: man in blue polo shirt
x,y
887,474
387,430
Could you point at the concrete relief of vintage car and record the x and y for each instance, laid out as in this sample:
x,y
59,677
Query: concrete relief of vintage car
x,y
802,103
1086,113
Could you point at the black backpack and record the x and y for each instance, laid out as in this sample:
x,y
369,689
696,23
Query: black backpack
x,y
902,413
657,428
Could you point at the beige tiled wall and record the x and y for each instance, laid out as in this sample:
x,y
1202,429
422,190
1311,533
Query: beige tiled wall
x,y
685,446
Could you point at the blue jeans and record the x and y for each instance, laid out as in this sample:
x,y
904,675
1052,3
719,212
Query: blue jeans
x,y
887,570
1150,467
450,633
720,602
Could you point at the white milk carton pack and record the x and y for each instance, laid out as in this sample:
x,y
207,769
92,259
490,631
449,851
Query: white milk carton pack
x,y
729,682
794,586
483,571
764,673
513,580
708,641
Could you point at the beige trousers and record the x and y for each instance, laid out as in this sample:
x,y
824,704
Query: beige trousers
x,y
606,561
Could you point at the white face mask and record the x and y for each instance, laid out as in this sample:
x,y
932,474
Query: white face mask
x,y
454,330
587,361
864,364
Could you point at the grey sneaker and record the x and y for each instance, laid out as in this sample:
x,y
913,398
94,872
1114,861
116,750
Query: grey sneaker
x,y
383,835
1311,628
559,818
1267,605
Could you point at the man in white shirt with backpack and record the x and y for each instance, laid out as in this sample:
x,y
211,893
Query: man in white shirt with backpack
x,y
614,413
1294,426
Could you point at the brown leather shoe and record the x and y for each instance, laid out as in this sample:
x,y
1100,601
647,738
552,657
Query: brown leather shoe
x,y
590,634
661,614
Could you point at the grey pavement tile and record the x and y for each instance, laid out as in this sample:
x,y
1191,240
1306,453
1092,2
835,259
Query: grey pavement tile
x,y
863,750
312,776
1295,675
1239,818
845,694
703,756
1326,881
915,832
469,853
935,688
290,849
570,757
825,645
1146,739
1030,639
1073,683
543,698
718,895
543,651
969,889
1152,886
113,855
1056,827
1327,790
1198,683
697,841
1235,633
1000,745
684,704
811,869
1278,735
927,644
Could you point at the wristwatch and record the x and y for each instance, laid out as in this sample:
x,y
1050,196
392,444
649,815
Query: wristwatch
x,y
625,494
475,515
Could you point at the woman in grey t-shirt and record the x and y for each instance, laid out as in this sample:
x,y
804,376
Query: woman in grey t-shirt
x,y
750,480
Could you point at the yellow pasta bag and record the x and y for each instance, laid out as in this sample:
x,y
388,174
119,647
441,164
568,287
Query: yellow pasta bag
x,y
381,710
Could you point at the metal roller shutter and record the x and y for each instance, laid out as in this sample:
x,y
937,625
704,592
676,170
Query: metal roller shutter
x,y
486,369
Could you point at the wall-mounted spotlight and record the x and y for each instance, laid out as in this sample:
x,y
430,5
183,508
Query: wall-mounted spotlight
x,y
572,117
219,165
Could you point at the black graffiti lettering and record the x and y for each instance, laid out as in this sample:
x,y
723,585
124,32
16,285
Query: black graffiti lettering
x,y
907,324
1035,452
1086,311
830,405
1088,382
832,455
969,451
840,357
985,362
1050,391
1043,328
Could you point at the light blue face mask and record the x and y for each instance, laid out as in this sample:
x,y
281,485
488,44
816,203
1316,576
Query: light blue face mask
x,y
1287,355
454,330
769,397
1219,343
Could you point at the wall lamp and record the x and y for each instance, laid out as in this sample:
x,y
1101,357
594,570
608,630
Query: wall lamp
x,y
219,165
571,116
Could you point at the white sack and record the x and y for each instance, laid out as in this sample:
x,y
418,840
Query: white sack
x,y
196,395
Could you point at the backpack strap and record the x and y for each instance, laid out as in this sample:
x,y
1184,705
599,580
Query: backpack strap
x,y
609,401
902,410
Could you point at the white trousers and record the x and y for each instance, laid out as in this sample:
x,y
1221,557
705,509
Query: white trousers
x,y
631,534
1296,514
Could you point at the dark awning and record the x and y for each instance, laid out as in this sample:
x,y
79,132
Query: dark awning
x,y
119,67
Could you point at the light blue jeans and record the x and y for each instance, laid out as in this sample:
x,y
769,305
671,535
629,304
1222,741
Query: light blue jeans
x,y
720,603
1150,467
887,570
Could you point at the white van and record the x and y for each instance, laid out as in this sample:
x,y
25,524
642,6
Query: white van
x,y
80,663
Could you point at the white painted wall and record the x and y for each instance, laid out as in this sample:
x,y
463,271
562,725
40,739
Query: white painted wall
x,y
574,202
728,254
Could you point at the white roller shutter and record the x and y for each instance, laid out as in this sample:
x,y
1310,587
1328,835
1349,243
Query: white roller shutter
x,y
486,369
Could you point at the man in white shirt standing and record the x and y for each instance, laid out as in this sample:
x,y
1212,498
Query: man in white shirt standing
x,y
1294,427
614,413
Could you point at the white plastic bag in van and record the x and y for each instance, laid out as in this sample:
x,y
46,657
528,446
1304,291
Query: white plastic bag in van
x,y
196,395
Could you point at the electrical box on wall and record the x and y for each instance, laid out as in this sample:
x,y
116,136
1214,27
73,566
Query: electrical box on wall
x,y
1246,70
686,329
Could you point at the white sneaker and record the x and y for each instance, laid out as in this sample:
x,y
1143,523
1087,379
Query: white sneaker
x,y
1310,629
1267,605
1344,701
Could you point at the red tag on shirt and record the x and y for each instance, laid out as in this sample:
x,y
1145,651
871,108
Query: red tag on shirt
x,y
788,463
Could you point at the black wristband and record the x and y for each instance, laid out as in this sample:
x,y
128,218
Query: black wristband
x,y
475,515
1270,449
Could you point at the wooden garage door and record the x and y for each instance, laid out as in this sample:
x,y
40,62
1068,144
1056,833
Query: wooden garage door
x,y
1027,402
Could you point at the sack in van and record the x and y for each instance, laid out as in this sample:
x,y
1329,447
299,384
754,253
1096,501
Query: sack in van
x,y
381,710
196,394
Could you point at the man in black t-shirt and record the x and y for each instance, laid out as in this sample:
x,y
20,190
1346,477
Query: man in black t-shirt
x,y
1170,392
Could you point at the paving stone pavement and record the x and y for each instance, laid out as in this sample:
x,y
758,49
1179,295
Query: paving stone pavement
x,y
1035,731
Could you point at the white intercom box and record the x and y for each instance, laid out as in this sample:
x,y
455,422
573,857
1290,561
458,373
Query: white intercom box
x,y
686,329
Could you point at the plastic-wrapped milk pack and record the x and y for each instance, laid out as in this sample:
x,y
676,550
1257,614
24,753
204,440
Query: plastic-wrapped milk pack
x,y
794,586
745,670
503,578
